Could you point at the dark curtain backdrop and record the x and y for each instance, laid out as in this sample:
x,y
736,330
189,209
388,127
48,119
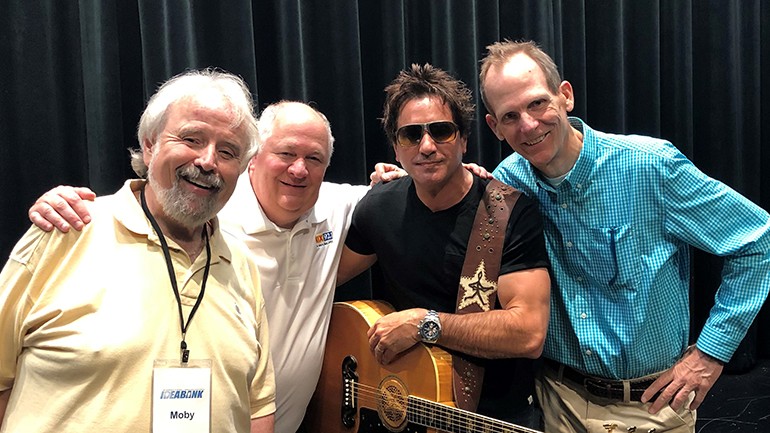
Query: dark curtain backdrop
x,y
74,76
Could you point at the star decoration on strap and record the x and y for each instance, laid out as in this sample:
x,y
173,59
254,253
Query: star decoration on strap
x,y
477,289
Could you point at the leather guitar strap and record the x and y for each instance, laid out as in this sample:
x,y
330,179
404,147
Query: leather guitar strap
x,y
478,281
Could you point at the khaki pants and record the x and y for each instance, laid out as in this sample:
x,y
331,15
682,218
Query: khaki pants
x,y
569,408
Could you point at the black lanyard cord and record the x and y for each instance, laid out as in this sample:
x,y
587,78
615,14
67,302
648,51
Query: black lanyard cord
x,y
185,353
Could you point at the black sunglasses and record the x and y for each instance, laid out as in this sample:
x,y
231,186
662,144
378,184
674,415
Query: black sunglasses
x,y
441,132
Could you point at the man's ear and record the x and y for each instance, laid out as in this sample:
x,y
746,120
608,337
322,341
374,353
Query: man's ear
x,y
395,153
565,88
147,150
464,143
252,165
492,122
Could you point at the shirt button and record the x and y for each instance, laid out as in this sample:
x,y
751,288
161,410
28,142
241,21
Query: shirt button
x,y
588,352
564,205
568,244
579,279
583,315
579,185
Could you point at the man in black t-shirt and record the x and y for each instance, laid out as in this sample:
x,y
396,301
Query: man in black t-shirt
x,y
418,228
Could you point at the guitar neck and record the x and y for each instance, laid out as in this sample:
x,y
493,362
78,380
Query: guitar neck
x,y
438,416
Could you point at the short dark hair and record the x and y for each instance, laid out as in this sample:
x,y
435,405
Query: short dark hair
x,y
427,80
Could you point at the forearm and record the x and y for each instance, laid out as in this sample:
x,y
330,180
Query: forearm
x,y
518,330
265,424
743,291
495,334
351,264
4,395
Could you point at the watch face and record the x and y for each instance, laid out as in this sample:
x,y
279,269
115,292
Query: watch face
x,y
430,331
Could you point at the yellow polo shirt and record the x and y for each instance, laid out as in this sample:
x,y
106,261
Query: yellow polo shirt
x,y
83,316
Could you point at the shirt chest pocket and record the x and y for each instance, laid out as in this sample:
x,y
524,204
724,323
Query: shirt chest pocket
x,y
612,256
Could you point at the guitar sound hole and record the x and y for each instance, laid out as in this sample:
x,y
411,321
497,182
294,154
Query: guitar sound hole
x,y
393,406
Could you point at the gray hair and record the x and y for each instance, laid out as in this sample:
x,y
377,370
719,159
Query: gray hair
x,y
190,85
270,113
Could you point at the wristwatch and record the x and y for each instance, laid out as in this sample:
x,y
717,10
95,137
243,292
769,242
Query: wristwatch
x,y
429,328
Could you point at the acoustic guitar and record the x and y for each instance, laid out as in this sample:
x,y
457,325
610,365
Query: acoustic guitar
x,y
356,394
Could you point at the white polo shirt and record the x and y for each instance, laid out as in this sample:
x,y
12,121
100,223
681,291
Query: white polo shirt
x,y
298,269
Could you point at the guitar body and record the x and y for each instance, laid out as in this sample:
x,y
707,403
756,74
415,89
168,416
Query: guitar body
x,y
421,371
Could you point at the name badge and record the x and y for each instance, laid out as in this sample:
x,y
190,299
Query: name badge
x,y
181,396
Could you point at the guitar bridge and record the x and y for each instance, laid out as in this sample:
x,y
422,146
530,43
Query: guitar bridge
x,y
349,380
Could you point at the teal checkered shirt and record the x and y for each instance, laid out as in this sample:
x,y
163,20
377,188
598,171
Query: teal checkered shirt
x,y
618,231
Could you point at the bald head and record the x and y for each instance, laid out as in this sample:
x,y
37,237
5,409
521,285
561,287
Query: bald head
x,y
294,150
288,114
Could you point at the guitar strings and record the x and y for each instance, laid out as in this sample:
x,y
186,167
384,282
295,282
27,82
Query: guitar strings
x,y
443,416
440,415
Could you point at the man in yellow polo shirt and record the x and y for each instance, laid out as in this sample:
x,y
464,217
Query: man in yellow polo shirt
x,y
150,317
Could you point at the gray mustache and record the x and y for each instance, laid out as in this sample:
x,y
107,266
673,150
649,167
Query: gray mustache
x,y
195,174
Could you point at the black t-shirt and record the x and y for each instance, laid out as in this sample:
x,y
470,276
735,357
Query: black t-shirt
x,y
421,254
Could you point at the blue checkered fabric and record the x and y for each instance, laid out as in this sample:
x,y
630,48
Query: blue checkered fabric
x,y
618,231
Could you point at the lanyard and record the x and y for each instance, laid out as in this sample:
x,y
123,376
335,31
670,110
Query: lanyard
x,y
185,353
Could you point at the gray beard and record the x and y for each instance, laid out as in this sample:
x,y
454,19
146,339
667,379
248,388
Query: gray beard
x,y
186,208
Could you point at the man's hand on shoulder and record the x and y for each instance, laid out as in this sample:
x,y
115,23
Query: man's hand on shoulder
x,y
477,170
62,208
384,172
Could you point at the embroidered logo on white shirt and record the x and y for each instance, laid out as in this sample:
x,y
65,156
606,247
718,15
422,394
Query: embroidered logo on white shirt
x,y
324,238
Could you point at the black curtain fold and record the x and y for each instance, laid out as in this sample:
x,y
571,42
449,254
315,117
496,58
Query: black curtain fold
x,y
104,120
676,111
75,76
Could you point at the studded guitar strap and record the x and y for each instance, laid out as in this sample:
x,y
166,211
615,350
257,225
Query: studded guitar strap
x,y
478,281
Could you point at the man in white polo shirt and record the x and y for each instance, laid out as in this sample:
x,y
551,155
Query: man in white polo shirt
x,y
295,224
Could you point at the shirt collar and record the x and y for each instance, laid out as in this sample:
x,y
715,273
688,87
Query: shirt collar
x,y
244,209
128,212
579,174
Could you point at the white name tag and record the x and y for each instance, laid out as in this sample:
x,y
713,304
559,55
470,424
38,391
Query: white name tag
x,y
181,396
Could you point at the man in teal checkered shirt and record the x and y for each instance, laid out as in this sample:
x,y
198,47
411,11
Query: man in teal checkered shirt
x,y
620,214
